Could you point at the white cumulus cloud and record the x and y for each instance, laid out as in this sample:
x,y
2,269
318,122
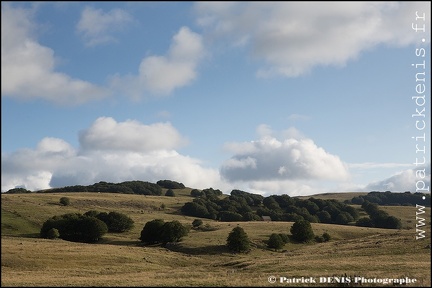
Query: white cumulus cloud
x,y
162,74
108,134
270,159
414,180
29,68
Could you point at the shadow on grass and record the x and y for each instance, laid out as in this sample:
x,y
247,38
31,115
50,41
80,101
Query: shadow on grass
x,y
30,235
205,250
56,204
119,242
22,235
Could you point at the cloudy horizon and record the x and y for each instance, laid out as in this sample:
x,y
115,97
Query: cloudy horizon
x,y
268,97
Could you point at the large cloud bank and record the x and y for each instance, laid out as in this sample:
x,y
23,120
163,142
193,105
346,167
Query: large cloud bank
x,y
109,151
292,38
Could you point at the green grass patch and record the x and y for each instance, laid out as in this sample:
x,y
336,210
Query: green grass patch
x,y
13,224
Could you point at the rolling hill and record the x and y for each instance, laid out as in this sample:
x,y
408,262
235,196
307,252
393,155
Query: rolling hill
x,y
202,258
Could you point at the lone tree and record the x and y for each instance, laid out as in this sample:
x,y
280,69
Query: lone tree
x,y
238,240
275,241
302,231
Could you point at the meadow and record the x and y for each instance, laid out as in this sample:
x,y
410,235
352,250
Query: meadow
x,y
201,258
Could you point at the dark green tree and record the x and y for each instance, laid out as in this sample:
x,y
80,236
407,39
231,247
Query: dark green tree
x,y
152,231
229,216
173,231
17,190
196,193
275,241
364,222
118,222
238,240
169,184
170,193
393,223
75,227
302,231
344,218
284,237
324,217
194,209
91,229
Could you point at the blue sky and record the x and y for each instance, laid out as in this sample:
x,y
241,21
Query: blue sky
x,y
289,98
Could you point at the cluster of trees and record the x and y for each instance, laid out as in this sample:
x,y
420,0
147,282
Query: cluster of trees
x,y
158,231
92,225
17,191
277,241
127,187
208,193
88,227
244,206
377,218
115,221
393,199
74,227
169,184
301,232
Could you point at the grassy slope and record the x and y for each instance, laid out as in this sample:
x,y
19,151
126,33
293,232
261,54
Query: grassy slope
x,y
201,259
337,196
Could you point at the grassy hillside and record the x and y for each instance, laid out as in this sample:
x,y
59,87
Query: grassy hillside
x,y
336,196
202,258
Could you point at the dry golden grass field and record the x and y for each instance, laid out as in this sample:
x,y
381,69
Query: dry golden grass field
x,y
202,258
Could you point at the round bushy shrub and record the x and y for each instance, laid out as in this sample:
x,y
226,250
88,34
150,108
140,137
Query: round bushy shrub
x,y
275,241
326,236
118,222
197,222
170,193
53,233
65,201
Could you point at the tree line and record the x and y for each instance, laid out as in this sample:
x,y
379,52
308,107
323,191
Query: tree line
x,y
393,199
127,187
88,227
377,218
245,206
